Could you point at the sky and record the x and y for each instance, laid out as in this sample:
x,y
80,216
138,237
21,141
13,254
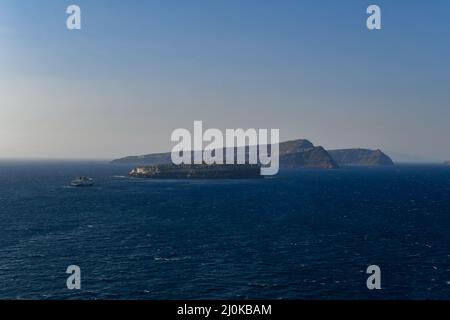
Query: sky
x,y
138,70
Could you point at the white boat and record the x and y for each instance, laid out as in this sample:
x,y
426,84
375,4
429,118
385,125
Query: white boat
x,y
82,182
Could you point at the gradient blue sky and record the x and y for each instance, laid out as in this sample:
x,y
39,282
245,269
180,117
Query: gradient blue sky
x,y
140,69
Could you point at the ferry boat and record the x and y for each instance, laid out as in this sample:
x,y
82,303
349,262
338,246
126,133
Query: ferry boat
x,y
82,182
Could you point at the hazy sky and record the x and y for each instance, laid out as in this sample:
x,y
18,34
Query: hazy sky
x,y
140,69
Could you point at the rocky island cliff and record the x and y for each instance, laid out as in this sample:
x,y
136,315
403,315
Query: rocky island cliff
x,y
303,154
360,157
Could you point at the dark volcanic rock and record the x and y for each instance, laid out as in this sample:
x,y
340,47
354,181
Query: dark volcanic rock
x,y
360,157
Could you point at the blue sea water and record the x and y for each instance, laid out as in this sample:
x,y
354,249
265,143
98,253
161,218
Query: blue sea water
x,y
307,234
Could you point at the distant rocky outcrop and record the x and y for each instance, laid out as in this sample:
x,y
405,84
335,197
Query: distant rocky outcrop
x,y
293,154
360,157
447,163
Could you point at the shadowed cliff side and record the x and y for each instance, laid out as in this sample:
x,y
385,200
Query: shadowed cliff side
x,y
360,157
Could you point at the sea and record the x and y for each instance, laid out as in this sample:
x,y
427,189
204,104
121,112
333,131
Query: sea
x,y
305,234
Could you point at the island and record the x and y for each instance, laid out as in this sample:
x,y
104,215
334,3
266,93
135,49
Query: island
x,y
294,154
198,171
447,163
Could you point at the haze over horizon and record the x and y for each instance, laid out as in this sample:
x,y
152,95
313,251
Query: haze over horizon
x,y
138,70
